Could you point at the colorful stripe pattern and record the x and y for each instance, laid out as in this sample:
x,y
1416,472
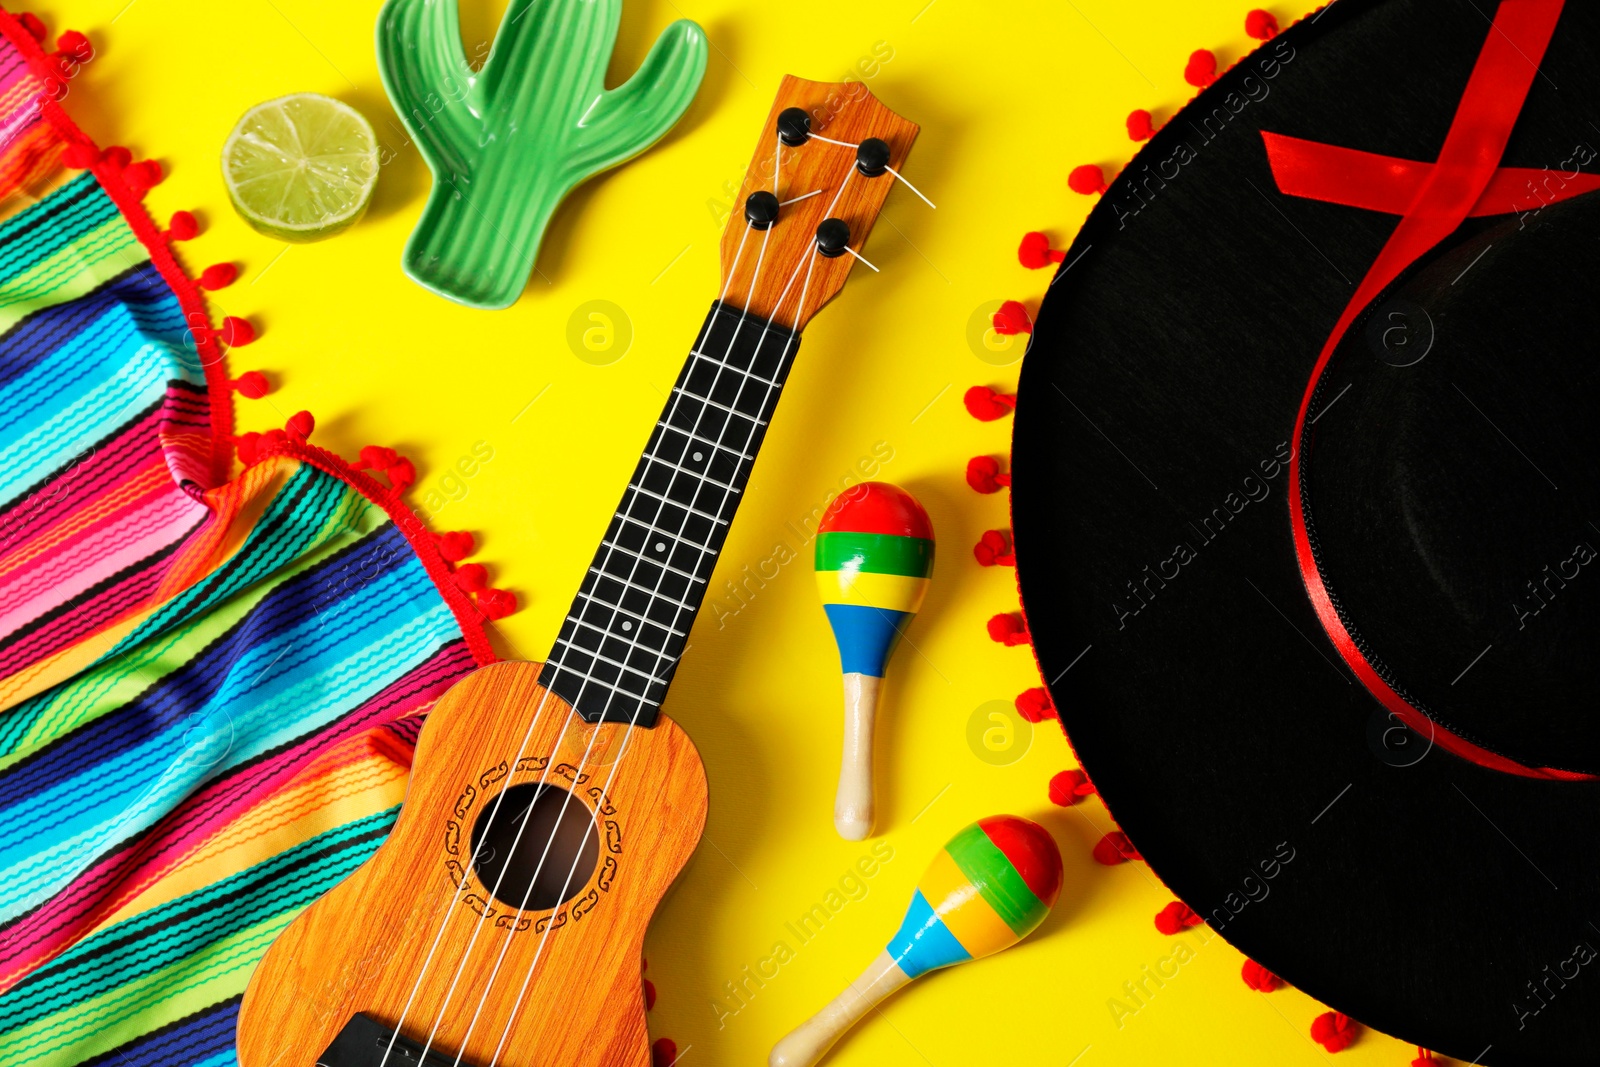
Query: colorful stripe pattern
x,y
990,887
209,687
874,555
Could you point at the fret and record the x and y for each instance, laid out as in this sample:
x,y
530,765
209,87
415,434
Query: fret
x,y
654,563
675,503
654,594
573,682
631,614
738,391
685,489
620,642
693,474
603,658
735,412
704,440
621,522
738,370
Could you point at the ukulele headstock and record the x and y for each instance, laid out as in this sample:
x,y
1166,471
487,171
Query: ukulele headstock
x,y
791,262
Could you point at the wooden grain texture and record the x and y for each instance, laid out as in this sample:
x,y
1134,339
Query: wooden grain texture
x,y
361,946
842,111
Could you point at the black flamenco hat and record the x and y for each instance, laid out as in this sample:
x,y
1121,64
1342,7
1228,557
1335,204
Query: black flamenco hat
x,y
1307,516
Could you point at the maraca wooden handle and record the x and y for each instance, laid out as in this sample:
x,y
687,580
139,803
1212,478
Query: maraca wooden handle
x,y
854,811
806,1044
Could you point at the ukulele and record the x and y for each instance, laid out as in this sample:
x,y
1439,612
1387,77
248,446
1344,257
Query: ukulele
x,y
551,806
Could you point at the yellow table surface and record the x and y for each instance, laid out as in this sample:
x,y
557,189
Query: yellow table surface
x,y
1010,97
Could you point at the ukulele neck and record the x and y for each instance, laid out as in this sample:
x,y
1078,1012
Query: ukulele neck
x,y
627,628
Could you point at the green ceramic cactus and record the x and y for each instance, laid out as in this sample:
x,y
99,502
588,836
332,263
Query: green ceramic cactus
x,y
508,142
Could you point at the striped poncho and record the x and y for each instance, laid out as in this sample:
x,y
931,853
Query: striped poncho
x,y
210,683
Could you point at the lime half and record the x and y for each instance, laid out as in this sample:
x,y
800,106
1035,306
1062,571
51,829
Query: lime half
x,y
301,167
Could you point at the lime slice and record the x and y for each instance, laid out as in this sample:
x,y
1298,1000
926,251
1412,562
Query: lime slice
x,y
301,167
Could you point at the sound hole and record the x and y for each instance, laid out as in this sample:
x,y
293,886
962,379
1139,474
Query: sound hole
x,y
556,819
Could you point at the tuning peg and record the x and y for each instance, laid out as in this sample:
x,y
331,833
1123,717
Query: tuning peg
x,y
833,238
872,157
794,126
761,210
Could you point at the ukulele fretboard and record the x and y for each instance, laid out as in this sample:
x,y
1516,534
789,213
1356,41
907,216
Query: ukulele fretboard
x,y
628,626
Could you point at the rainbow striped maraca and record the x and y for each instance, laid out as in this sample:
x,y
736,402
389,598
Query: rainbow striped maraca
x,y
874,555
990,887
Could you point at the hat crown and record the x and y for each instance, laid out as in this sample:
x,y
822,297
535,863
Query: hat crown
x,y
1450,488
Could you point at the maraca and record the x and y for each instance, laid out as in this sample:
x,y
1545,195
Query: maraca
x,y
874,555
990,887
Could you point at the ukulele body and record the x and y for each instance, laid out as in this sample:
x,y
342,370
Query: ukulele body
x,y
361,947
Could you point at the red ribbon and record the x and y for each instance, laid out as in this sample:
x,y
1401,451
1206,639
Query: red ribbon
x,y
1432,201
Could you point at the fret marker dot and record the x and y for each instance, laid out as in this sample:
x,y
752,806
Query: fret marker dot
x,y
696,457
661,546
626,625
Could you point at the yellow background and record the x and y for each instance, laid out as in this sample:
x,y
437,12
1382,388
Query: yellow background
x,y
1010,97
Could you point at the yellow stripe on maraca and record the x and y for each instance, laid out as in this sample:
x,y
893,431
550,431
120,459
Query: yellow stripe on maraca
x,y
962,908
892,592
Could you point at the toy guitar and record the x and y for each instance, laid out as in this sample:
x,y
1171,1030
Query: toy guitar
x,y
550,806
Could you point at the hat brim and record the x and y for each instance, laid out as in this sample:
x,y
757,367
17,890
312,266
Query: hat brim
x,y
1431,898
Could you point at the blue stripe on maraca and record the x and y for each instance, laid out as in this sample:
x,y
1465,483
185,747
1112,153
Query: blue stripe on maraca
x,y
865,636
924,942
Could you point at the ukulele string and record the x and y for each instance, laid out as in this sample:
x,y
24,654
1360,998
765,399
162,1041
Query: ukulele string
x,y
461,886
505,867
898,176
654,594
527,813
566,802
627,736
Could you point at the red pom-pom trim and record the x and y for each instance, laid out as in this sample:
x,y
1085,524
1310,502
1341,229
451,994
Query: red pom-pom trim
x,y
74,45
143,176
1035,252
1201,69
1140,126
237,332
472,577
34,25
649,995
247,445
1259,978
1424,1058
497,603
664,1053
994,550
1035,705
1176,917
1009,629
402,475
375,458
80,155
218,276
1069,787
455,545
1334,1030
301,425
986,405
252,384
1012,319
183,227
983,475
1087,179
1115,848
117,156
1262,25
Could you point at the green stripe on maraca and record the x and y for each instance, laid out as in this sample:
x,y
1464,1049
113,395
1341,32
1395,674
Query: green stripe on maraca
x,y
876,553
